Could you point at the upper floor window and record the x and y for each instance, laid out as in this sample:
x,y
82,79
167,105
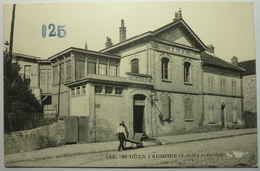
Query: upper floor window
x,y
80,69
210,84
135,66
102,69
27,72
92,67
187,72
62,72
113,70
234,87
55,75
165,68
69,71
222,85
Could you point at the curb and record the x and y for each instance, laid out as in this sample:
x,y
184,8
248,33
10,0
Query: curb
x,y
153,143
201,139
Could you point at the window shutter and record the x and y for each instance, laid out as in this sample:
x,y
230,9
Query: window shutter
x,y
165,106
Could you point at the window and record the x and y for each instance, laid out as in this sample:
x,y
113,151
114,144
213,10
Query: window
x,y
43,79
222,85
78,90
135,66
91,68
165,70
166,106
234,87
234,114
27,72
80,69
62,72
73,92
211,114
188,115
49,79
210,84
113,70
102,69
187,73
69,71
55,75
83,89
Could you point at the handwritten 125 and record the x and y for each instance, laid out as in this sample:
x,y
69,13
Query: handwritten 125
x,y
61,32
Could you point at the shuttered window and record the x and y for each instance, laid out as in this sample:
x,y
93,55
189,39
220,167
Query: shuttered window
x,y
234,114
166,106
210,84
234,87
211,114
188,115
222,85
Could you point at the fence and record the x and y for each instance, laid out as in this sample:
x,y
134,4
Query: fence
x,y
25,121
250,119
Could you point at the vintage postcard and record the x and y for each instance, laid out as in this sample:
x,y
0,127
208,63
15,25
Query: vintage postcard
x,y
130,85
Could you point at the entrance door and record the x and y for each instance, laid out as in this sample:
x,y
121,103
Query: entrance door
x,y
138,119
223,116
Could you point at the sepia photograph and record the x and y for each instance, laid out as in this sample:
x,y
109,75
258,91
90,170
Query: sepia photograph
x,y
129,85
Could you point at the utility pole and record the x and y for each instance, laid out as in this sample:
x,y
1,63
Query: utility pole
x,y
12,34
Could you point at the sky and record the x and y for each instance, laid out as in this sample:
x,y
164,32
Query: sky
x,y
228,26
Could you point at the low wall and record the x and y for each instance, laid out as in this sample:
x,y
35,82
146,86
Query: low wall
x,y
30,140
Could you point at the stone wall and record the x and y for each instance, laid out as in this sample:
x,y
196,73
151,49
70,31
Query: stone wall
x,y
30,140
249,93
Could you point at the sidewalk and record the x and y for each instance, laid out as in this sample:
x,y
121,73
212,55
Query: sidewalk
x,y
79,149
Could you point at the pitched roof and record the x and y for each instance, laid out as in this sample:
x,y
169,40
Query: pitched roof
x,y
211,59
249,66
157,31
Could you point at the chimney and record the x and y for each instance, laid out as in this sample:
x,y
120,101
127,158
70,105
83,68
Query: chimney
x,y
180,15
122,32
108,43
234,60
176,16
86,45
210,49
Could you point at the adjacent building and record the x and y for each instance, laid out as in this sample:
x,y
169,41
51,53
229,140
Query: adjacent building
x,y
37,73
249,85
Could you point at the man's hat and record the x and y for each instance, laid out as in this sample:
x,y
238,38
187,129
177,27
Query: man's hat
x,y
122,123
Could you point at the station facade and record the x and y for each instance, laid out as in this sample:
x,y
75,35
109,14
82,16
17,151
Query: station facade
x,y
162,82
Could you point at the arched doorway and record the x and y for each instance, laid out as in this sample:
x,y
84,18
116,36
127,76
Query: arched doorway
x,y
138,113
